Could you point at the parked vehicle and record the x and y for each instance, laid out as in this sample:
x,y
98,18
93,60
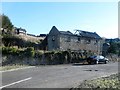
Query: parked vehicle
x,y
97,59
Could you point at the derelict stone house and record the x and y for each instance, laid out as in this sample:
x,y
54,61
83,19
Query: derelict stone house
x,y
81,40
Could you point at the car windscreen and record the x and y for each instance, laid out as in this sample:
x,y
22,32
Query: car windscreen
x,y
100,57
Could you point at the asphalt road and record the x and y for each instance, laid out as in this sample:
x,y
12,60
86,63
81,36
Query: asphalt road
x,y
55,76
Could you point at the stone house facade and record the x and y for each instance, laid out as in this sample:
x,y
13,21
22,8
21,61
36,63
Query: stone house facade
x,y
81,40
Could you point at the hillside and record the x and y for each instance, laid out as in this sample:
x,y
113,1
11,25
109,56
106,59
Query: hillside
x,y
29,38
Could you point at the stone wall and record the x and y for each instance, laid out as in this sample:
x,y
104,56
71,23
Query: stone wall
x,y
49,58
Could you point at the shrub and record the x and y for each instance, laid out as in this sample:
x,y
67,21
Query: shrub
x,y
60,57
9,51
29,52
38,54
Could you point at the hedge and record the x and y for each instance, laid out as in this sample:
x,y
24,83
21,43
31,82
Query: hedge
x,y
41,57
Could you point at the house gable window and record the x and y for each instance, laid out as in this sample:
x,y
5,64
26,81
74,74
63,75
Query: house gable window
x,y
53,38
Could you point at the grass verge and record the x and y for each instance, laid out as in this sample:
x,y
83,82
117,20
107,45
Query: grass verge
x,y
105,83
9,67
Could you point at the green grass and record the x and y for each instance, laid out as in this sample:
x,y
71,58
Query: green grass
x,y
9,67
106,83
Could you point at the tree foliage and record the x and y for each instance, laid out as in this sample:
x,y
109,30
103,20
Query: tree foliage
x,y
114,48
6,22
29,52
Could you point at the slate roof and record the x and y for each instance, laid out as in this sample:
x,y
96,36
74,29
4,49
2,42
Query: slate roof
x,y
81,33
66,32
88,34
112,40
43,35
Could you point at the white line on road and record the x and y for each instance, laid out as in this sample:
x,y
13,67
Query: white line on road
x,y
16,82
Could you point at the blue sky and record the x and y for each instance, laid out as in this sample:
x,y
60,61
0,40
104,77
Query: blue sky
x,y
39,17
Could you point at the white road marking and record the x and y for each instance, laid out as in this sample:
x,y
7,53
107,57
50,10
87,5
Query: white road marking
x,y
16,82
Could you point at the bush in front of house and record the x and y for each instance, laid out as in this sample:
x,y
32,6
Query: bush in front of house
x,y
12,55
38,54
58,58
29,52
29,55
9,51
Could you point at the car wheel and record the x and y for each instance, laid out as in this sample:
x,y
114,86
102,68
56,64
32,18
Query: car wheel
x,y
96,62
106,62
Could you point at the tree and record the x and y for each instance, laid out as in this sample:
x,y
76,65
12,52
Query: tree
x,y
118,49
113,48
29,52
6,23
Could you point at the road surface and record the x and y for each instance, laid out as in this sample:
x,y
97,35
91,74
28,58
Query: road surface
x,y
56,76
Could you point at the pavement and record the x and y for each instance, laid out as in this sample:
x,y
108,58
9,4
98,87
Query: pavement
x,y
56,76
